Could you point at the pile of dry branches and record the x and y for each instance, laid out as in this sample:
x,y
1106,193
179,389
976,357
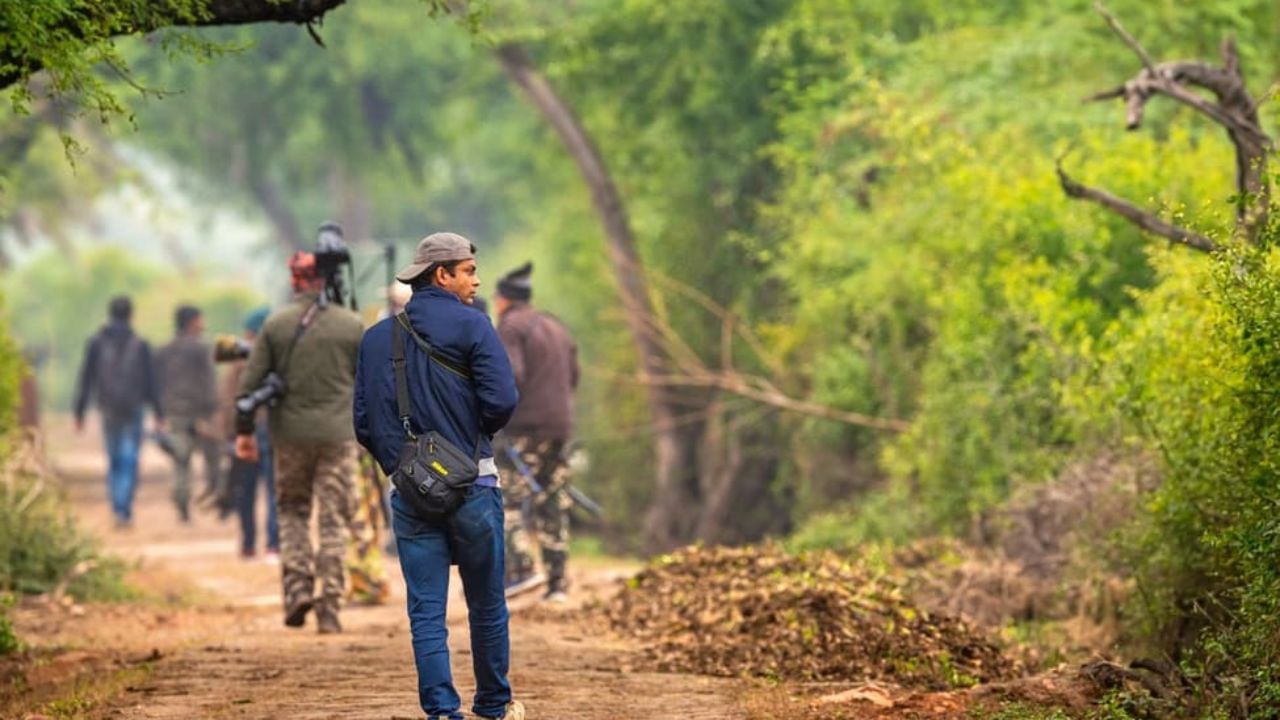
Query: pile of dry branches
x,y
758,611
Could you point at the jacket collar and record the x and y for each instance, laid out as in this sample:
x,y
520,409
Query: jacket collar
x,y
432,292
117,328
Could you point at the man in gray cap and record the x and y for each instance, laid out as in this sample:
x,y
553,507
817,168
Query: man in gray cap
x,y
544,359
458,383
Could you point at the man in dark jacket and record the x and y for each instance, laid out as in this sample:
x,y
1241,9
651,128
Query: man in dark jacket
x,y
544,358
116,374
189,394
312,345
466,412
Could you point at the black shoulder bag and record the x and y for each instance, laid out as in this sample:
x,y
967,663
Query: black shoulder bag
x,y
432,474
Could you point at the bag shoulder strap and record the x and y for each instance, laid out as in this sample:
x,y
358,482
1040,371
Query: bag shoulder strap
x,y
403,408
304,321
399,326
461,370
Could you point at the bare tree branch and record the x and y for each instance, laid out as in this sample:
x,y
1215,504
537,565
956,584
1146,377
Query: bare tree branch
x,y
745,386
1139,217
1128,39
1232,107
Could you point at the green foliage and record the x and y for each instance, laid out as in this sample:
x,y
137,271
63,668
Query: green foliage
x,y
71,40
9,641
41,546
1196,374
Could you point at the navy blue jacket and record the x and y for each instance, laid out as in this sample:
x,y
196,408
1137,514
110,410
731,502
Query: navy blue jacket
x,y
441,400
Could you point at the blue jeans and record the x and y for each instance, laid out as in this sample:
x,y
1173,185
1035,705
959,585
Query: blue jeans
x,y
124,440
249,499
472,538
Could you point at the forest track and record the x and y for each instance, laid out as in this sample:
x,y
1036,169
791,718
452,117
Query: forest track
x,y
210,643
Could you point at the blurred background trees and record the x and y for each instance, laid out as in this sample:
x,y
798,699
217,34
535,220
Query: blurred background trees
x,y
854,201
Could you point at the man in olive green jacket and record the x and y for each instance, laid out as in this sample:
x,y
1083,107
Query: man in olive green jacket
x,y
314,440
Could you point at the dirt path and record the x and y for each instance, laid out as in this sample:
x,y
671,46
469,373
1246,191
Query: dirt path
x,y
220,650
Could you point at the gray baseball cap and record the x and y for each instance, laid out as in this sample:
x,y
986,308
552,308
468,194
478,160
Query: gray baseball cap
x,y
435,248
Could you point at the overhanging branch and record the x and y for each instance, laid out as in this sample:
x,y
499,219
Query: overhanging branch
x,y
1231,106
1139,217
20,66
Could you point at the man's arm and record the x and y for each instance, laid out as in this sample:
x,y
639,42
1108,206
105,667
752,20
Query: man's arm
x,y
258,365
495,382
575,372
209,381
359,413
151,382
513,341
84,384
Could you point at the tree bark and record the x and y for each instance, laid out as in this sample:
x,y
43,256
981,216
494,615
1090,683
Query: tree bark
x,y
216,12
672,514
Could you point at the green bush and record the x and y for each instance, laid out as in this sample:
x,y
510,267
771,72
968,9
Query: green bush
x,y
8,639
41,548
1197,373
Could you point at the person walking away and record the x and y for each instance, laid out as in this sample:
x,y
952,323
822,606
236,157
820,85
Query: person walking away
x,y
116,374
189,394
462,390
311,345
544,358
248,474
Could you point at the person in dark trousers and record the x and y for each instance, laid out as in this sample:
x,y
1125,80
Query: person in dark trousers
x,y
189,394
252,474
116,375
466,411
544,358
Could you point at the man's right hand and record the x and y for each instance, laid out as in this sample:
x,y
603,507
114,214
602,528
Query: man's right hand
x,y
247,448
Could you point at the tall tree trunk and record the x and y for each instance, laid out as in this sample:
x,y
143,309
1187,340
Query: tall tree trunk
x,y
672,515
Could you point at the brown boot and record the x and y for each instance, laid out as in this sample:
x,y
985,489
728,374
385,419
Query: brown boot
x,y
327,620
295,612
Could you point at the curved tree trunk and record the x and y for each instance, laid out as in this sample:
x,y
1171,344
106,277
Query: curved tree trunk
x,y
673,513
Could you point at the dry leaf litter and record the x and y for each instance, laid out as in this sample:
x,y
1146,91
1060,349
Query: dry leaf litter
x,y
758,611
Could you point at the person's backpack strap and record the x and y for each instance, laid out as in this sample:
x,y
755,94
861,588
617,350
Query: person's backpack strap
x,y
403,407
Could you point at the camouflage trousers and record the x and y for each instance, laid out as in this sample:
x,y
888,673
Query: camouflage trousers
x,y
536,521
187,436
318,474
365,570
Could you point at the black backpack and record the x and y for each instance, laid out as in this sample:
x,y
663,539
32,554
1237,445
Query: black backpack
x,y
117,380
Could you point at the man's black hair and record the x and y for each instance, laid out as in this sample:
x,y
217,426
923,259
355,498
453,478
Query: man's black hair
x,y
120,308
184,316
426,278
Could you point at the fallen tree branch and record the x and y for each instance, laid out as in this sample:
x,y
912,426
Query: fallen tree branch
x,y
1139,217
751,388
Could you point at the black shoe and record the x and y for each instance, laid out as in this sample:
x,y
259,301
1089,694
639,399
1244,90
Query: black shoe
x,y
295,615
327,621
